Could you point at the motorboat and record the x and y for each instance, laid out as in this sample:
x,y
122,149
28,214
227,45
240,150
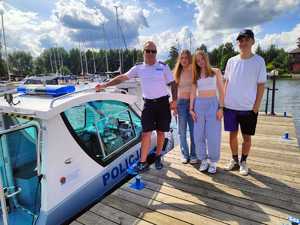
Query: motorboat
x,y
63,149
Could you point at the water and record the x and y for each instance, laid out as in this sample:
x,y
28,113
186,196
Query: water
x,y
287,99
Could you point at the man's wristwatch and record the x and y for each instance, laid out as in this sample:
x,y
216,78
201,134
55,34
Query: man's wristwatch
x,y
220,107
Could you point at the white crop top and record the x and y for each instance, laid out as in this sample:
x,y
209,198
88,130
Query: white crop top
x,y
208,83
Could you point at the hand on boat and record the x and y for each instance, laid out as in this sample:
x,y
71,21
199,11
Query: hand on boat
x,y
100,87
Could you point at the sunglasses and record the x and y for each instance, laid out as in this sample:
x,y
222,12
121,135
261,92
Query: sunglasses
x,y
148,51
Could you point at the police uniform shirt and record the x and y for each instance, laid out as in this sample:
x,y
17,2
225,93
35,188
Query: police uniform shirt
x,y
154,78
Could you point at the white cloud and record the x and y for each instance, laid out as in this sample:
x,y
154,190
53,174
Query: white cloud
x,y
220,14
286,40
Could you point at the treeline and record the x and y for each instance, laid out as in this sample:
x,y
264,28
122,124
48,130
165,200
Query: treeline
x,y
22,63
275,58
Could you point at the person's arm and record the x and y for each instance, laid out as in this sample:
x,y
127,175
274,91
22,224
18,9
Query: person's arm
x,y
116,80
262,78
259,96
192,101
221,91
173,86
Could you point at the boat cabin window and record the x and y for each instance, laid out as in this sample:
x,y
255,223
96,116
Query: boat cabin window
x,y
103,129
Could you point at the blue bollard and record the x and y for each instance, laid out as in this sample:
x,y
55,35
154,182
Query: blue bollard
x,y
286,135
294,220
285,114
138,184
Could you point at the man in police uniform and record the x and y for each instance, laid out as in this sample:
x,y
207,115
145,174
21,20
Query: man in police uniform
x,y
156,114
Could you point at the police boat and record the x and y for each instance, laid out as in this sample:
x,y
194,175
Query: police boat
x,y
62,149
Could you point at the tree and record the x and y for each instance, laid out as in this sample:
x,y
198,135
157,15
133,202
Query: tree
x,y
173,54
21,63
203,48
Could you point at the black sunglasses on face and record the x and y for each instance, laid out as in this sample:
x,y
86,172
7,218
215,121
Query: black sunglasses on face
x,y
148,51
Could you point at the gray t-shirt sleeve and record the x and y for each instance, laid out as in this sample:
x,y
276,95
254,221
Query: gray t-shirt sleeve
x,y
133,72
168,75
227,70
262,76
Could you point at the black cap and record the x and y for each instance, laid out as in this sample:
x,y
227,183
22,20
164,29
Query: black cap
x,y
245,33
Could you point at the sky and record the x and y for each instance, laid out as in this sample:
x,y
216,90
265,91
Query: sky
x,y
33,25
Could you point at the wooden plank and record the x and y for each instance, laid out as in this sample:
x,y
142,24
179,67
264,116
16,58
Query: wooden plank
x,y
89,218
75,223
167,209
265,165
200,204
137,209
219,196
192,203
248,191
116,215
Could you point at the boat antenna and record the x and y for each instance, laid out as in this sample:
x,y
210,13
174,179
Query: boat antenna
x,y
4,43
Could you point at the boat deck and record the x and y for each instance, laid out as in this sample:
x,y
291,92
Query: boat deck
x,y
180,194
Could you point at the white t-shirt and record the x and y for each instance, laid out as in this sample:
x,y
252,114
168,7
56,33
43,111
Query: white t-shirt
x,y
154,79
243,75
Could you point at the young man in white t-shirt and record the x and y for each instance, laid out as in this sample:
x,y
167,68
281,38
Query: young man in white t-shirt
x,y
156,114
245,76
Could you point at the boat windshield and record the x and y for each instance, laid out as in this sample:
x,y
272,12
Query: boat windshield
x,y
103,128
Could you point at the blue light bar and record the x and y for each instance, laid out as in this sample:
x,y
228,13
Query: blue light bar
x,y
50,90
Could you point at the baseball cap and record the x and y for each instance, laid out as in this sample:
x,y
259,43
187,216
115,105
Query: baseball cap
x,y
245,33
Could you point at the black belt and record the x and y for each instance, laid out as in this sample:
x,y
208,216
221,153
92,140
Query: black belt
x,y
160,99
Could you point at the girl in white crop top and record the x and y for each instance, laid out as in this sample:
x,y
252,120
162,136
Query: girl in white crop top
x,y
206,110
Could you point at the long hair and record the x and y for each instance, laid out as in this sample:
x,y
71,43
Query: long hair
x,y
197,69
178,67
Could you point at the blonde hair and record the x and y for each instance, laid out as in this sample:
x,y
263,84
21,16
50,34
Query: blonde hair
x,y
197,69
178,67
148,43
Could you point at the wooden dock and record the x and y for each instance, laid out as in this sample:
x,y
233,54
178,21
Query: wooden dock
x,y
180,194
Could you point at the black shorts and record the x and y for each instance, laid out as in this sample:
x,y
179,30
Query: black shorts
x,y
156,114
246,119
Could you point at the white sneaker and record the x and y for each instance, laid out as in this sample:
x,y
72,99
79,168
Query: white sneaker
x,y
232,164
193,161
204,165
184,160
244,168
212,168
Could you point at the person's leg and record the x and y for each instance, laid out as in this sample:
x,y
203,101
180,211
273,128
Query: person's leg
x,y
193,156
213,135
231,125
145,145
182,125
163,121
148,125
160,141
199,133
248,123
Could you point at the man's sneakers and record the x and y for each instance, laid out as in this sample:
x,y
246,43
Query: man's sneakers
x,y
244,168
231,165
234,165
140,167
158,163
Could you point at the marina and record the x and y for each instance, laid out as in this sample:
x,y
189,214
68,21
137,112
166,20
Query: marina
x,y
180,194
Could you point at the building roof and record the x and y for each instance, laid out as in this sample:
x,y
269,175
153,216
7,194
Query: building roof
x,y
295,51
